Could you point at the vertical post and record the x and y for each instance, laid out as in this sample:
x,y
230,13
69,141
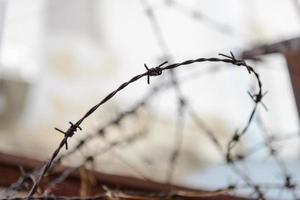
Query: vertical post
x,y
293,61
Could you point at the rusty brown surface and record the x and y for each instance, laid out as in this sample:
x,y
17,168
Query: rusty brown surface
x,y
293,61
283,47
10,169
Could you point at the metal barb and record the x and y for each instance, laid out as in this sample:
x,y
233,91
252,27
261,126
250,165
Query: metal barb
x,y
235,61
155,71
257,98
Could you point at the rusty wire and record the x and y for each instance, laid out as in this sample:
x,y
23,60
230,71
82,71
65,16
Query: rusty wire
x,y
184,109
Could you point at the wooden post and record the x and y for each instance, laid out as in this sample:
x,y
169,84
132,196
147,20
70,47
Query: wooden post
x,y
293,62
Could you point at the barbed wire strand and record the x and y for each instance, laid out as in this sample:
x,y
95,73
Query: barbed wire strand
x,y
155,71
108,148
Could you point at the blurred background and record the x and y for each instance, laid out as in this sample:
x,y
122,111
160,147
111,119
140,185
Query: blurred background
x,y
60,57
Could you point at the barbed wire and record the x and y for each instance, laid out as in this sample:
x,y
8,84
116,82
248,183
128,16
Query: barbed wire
x,y
108,148
184,109
101,132
180,98
256,98
24,181
155,71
